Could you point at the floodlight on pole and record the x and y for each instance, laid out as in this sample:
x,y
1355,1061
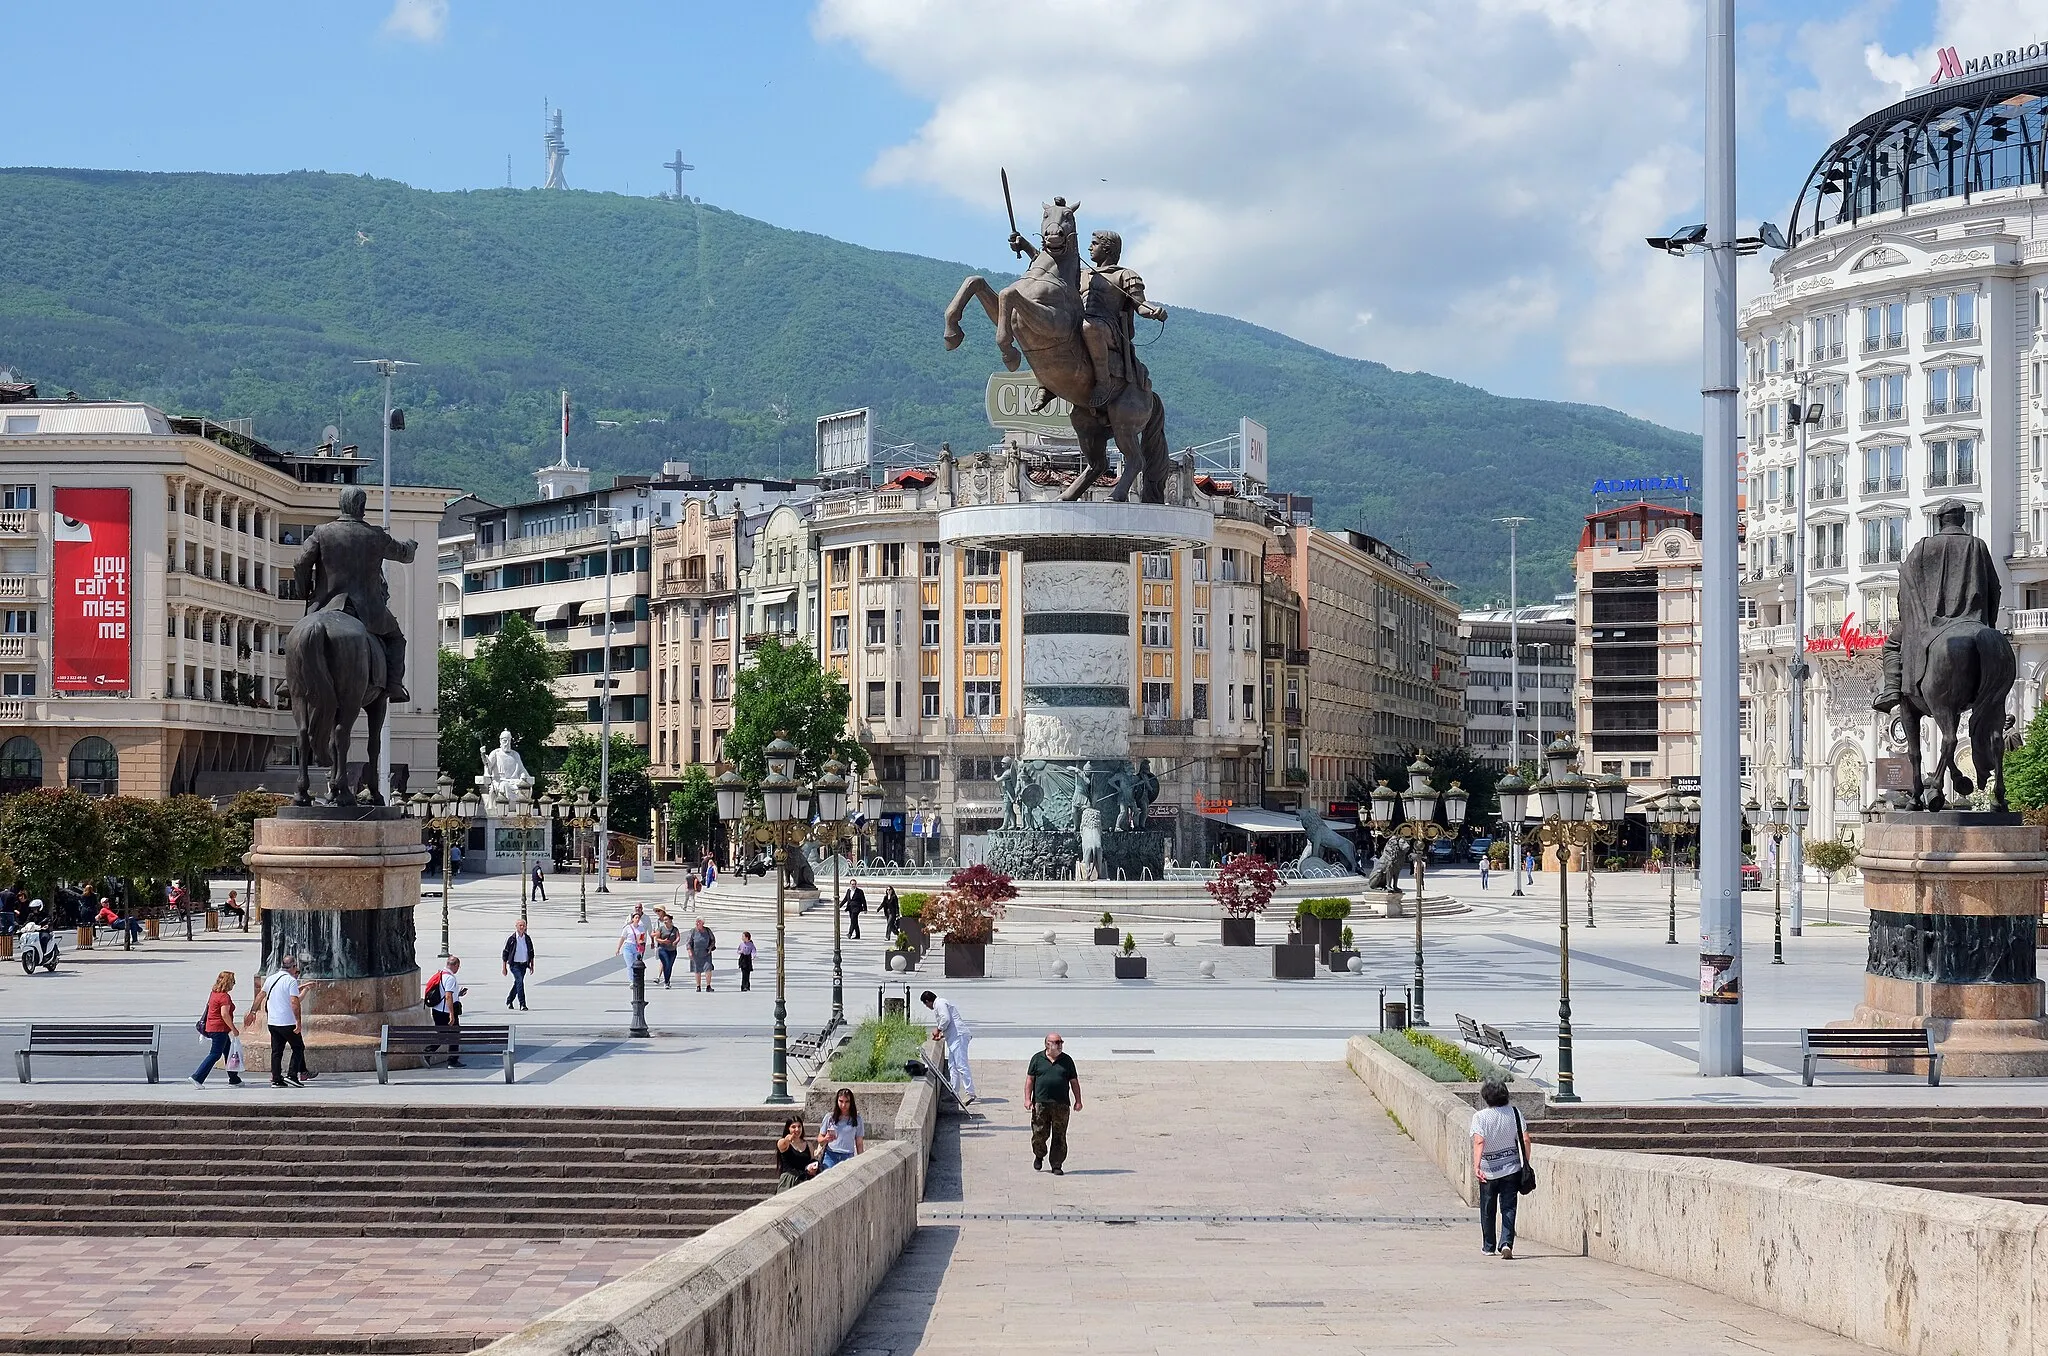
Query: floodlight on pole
x,y
386,368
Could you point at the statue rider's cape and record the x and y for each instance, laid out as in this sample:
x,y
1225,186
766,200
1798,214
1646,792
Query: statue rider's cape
x,y
1948,576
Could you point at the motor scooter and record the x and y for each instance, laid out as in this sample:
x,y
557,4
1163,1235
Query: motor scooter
x,y
37,947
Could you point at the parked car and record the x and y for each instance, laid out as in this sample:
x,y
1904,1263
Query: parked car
x,y
1443,852
1752,876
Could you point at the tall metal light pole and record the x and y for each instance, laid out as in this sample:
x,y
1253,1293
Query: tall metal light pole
x,y
1418,825
1720,1051
387,368
604,748
782,829
1514,695
1800,669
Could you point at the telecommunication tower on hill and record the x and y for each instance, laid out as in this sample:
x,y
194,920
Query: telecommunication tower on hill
x,y
557,148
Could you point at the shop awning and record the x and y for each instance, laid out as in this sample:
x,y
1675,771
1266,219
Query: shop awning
x,y
550,614
774,597
1257,821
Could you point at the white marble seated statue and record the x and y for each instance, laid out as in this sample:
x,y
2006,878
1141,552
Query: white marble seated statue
x,y
505,780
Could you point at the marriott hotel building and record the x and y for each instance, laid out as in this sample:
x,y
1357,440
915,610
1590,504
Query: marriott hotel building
x,y
1912,307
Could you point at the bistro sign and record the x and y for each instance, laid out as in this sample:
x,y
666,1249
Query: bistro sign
x,y
1851,639
1644,485
1949,66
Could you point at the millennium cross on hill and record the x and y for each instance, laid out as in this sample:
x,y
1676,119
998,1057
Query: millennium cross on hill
x,y
678,166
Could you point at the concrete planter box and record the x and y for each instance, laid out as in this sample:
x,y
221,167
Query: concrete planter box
x,y
1340,960
1109,937
966,960
1294,962
1240,932
1130,967
914,927
889,960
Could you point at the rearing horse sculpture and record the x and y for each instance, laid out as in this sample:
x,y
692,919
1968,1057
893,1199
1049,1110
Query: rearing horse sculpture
x,y
1040,314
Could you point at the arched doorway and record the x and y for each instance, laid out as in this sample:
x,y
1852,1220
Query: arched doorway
x,y
21,765
95,767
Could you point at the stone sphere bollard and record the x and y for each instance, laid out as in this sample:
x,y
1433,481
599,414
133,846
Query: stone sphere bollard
x,y
1169,939
1208,969
1052,938
1059,969
1357,965
899,963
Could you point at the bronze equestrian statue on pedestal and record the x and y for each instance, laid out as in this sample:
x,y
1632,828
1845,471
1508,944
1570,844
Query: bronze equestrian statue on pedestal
x,y
1947,656
1073,322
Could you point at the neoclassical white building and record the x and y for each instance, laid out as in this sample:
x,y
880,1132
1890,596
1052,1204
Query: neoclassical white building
x,y
1911,304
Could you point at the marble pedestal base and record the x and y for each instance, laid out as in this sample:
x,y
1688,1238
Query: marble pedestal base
x,y
1954,900
337,888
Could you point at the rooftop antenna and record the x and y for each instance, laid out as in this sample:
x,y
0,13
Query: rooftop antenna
x,y
678,166
508,169
557,148
565,428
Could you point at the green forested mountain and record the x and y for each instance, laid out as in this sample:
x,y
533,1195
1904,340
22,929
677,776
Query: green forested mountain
x,y
706,337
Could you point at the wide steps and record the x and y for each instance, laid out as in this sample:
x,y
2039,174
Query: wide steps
x,y
309,1168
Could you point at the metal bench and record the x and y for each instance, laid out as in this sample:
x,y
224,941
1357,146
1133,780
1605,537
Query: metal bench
x,y
90,1040
1886,1043
1468,1031
809,1053
502,1041
1495,1042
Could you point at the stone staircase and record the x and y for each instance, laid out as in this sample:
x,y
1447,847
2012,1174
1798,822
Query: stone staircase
x,y
1979,1151
525,1172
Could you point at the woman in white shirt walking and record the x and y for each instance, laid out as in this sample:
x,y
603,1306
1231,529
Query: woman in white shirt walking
x,y
1500,1148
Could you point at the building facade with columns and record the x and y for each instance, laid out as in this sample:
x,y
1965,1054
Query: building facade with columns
x,y
1908,316
1533,693
177,688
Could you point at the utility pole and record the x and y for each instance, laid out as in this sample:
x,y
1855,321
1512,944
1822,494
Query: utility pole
x,y
1515,697
1720,1049
387,368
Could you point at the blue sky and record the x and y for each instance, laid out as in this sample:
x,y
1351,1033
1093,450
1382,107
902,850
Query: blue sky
x,y
1455,187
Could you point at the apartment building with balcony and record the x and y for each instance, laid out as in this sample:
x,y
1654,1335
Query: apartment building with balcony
x,y
1531,693
1284,689
574,557
1385,669
187,699
1639,646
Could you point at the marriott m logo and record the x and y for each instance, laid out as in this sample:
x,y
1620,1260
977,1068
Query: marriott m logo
x,y
1949,66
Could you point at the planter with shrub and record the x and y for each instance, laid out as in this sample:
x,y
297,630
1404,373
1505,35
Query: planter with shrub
x,y
1342,953
1107,934
965,912
910,923
903,947
1130,965
1244,887
1322,923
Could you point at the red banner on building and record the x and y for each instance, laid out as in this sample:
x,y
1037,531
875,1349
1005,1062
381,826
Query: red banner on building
x,y
89,591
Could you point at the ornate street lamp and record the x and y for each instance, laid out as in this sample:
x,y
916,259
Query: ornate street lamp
x,y
1775,822
1418,805
832,831
871,812
1572,811
447,816
580,817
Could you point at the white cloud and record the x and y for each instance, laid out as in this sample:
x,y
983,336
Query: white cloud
x,y
1473,176
417,20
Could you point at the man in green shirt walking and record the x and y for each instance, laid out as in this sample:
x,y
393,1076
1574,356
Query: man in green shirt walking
x,y
1053,1088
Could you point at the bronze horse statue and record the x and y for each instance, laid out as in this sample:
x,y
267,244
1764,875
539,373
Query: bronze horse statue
x,y
335,670
1969,667
1040,314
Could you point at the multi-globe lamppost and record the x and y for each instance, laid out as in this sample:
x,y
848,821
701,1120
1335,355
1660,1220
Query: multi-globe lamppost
x,y
580,816
1419,827
1777,821
782,826
832,833
447,816
1674,815
1573,813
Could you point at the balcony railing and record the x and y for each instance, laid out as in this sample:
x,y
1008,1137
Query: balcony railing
x,y
13,711
1297,776
16,585
1888,556
1291,714
1963,404
978,725
1886,485
1830,560
1941,334
13,647
1298,658
17,522
2030,621
1273,649
1168,726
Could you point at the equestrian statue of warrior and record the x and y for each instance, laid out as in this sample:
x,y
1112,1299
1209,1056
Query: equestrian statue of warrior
x,y
1947,656
1074,323
346,657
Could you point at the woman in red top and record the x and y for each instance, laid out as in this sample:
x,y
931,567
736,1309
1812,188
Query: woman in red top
x,y
219,1027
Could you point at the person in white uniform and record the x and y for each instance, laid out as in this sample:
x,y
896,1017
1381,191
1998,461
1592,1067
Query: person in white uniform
x,y
952,1028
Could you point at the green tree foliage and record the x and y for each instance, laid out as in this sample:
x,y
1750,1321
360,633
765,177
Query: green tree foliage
x,y
54,835
139,848
704,336
786,690
1451,763
632,798
2026,767
693,811
199,841
508,685
238,820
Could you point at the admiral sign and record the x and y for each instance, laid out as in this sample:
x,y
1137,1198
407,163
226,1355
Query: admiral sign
x,y
1949,66
1644,485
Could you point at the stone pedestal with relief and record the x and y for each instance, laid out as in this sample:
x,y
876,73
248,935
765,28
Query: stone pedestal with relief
x,y
337,887
1954,897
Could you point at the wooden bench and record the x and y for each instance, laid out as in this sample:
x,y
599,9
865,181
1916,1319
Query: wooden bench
x,y
90,1040
1886,1043
502,1041
1492,1042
